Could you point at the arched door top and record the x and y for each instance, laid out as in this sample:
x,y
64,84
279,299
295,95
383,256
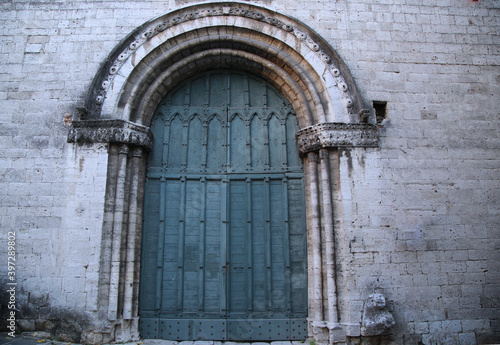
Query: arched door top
x,y
284,51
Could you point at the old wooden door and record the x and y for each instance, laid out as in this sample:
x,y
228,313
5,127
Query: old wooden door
x,y
224,240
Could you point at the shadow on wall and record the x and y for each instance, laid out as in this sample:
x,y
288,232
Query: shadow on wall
x,y
33,312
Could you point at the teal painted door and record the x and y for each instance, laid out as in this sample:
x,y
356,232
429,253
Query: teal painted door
x,y
224,239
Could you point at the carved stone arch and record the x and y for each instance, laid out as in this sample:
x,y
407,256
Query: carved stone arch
x,y
234,34
149,63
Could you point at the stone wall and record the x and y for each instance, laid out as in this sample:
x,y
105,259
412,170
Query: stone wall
x,y
417,218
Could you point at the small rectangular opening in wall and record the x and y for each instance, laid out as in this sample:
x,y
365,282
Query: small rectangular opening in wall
x,y
380,110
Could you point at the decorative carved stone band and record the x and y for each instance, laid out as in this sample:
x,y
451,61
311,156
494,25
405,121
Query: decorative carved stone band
x,y
110,131
332,134
246,14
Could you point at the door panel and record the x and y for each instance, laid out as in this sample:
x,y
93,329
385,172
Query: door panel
x,y
196,153
216,159
237,147
224,255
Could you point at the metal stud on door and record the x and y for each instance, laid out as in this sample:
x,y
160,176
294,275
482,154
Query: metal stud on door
x,y
224,254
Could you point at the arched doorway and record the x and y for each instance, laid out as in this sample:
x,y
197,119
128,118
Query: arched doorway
x,y
292,58
224,234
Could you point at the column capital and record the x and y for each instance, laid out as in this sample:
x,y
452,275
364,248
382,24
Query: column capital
x,y
333,135
111,131
313,157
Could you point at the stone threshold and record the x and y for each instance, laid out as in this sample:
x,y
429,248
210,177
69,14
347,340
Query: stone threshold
x,y
44,338
209,342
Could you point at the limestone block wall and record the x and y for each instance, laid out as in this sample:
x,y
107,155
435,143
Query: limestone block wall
x,y
52,194
417,219
421,213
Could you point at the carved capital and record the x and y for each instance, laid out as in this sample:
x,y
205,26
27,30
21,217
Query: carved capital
x,y
312,157
137,152
323,154
123,150
110,131
332,135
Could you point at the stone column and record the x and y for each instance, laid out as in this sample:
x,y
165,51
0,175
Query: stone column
x,y
132,246
316,308
315,143
119,273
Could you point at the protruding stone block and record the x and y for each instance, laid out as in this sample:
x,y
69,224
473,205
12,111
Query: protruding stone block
x,y
376,319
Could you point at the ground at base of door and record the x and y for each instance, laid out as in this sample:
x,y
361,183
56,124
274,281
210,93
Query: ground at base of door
x,y
206,342
38,338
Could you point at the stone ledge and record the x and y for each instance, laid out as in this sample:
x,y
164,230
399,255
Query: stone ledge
x,y
110,131
333,134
